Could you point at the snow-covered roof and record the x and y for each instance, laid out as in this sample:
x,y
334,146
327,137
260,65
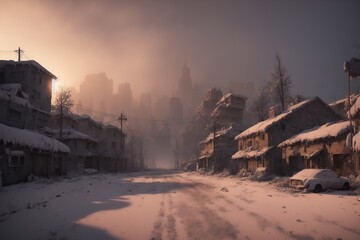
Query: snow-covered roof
x,y
353,98
355,108
230,95
90,119
29,62
264,125
13,93
249,153
73,134
31,139
230,132
70,115
207,155
325,131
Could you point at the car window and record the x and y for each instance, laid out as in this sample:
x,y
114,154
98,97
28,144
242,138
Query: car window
x,y
320,174
331,174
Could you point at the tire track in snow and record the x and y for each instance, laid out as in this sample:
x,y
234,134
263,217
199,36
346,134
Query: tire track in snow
x,y
202,199
200,221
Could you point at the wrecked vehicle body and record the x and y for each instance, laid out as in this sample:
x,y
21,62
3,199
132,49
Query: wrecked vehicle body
x,y
317,180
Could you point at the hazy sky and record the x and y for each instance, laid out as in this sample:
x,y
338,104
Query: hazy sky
x,y
144,42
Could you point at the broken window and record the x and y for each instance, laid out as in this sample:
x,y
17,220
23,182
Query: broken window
x,y
262,136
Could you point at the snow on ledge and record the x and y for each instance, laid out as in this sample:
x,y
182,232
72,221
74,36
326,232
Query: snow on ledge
x,y
68,133
356,142
248,153
31,139
327,130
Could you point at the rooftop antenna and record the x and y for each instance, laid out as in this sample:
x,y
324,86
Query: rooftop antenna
x,y
19,51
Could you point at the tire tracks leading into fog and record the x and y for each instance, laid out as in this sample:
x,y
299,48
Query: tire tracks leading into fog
x,y
199,219
198,212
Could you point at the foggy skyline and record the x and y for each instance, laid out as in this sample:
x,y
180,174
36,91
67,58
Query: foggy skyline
x,y
145,42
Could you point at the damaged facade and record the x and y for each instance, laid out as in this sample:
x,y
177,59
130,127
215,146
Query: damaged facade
x,y
196,130
227,116
217,151
83,150
258,145
229,110
319,147
354,113
92,143
24,152
25,100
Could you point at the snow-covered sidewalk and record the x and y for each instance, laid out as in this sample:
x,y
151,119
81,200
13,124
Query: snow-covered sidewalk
x,y
168,205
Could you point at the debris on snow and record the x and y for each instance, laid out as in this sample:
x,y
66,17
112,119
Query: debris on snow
x,y
224,189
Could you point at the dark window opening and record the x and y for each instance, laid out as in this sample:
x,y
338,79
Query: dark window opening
x,y
262,136
16,160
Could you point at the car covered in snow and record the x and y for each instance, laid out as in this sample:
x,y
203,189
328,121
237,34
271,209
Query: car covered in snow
x,y
317,180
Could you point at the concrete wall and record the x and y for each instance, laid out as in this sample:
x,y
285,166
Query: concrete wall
x,y
34,82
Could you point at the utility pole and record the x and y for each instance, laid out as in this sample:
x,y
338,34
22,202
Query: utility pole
x,y
214,145
349,104
121,119
19,51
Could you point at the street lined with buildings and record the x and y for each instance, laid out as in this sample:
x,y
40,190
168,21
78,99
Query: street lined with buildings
x,y
172,205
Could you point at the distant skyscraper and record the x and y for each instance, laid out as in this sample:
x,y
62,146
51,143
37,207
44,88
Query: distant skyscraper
x,y
185,91
145,103
185,82
175,110
123,99
96,93
161,107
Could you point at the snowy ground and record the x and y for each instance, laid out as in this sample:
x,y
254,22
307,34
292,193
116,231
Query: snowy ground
x,y
168,205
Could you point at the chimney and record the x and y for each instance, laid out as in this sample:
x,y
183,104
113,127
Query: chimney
x,y
274,111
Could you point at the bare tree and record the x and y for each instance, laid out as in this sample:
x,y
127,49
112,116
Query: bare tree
x,y
280,83
63,104
261,105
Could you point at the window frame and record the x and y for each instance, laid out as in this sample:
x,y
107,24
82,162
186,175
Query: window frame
x,y
18,156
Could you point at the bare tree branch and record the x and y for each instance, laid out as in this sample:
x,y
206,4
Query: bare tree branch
x,y
63,104
261,105
280,83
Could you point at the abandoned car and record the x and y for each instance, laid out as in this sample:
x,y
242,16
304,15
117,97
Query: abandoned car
x,y
317,180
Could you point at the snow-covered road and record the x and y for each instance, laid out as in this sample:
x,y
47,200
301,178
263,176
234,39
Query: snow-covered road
x,y
169,205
